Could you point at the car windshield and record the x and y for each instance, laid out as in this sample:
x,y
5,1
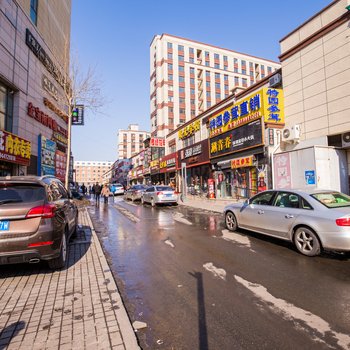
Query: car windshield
x,y
332,199
16,193
164,188
139,187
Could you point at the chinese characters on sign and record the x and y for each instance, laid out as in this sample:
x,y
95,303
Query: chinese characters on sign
x,y
189,130
14,149
242,162
282,173
246,136
78,115
157,142
193,151
60,165
266,102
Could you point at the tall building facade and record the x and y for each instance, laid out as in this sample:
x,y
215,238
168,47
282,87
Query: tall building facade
x,y
130,141
90,172
188,77
34,61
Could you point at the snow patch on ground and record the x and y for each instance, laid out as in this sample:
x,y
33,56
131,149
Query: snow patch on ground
x,y
293,313
169,242
237,238
217,272
180,218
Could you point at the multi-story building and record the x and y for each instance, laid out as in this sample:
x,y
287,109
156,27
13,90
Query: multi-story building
x,y
90,172
34,61
188,77
130,141
316,77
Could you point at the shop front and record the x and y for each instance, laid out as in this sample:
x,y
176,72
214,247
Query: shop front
x,y
167,169
154,170
15,154
195,166
237,148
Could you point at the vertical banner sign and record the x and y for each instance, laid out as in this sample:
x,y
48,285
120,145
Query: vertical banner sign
x,y
60,165
282,173
46,156
78,115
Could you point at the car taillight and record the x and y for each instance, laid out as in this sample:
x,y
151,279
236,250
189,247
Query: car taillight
x,y
158,193
46,211
343,221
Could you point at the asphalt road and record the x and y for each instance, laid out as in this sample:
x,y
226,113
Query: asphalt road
x,y
198,286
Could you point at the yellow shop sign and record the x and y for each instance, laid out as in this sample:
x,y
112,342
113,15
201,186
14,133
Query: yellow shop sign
x,y
241,162
267,103
189,129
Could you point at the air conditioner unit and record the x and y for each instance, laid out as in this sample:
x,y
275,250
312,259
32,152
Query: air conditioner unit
x,y
291,133
275,80
345,140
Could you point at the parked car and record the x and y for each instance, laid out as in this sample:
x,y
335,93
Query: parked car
x,y
135,192
312,220
159,194
37,219
117,189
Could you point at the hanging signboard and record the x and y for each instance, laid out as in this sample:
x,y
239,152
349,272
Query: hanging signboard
x,y
78,115
14,149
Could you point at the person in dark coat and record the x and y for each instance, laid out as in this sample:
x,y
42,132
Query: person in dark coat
x,y
97,190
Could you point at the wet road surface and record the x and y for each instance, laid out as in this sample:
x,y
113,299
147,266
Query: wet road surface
x,y
199,286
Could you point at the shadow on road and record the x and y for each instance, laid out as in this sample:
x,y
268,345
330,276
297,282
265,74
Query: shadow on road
x,y
202,321
78,246
10,332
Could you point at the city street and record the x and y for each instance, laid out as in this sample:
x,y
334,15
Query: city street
x,y
195,285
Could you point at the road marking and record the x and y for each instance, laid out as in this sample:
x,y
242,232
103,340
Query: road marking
x,y
127,213
293,313
180,218
237,238
169,242
216,271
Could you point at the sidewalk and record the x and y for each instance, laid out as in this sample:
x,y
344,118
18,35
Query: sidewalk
x,y
216,205
78,307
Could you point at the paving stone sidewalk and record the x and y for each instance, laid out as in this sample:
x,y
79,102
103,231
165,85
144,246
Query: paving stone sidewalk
x,y
78,307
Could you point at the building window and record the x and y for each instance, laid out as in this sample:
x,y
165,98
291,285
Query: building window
x,y
171,99
171,109
244,82
181,90
192,91
170,56
235,61
181,79
218,96
236,81
269,70
191,80
181,58
170,45
207,84
243,63
6,108
226,87
217,75
191,50
244,71
208,104
207,63
225,77
191,70
34,11
181,68
180,48
170,77
193,113
170,66
217,65
192,101
182,110
235,69
191,60
207,74
216,56
217,86
181,100
208,94
225,58
206,54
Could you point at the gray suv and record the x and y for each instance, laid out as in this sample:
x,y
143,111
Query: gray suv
x,y
37,219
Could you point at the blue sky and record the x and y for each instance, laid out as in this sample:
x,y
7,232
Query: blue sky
x,y
113,37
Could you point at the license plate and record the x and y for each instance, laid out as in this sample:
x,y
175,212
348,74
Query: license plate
x,y
4,225
169,195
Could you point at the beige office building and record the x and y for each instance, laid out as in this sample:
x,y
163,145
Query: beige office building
x,y
130,141
90,172
316,80
34,61
188,77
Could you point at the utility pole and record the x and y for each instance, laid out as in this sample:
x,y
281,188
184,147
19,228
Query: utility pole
x,y
70,110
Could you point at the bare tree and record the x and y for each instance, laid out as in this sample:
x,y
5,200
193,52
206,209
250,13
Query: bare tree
x,y
85,89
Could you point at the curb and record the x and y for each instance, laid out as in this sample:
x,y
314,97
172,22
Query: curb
x,y
126,330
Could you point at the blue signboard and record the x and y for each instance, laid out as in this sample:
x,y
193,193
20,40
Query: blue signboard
x,y
310,177
46,156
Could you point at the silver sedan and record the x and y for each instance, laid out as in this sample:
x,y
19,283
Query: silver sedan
x,y
159,194
313,220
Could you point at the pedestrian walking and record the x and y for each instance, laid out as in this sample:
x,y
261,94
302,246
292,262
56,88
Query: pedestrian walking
x,y
97,190
113,189
83,189
105,193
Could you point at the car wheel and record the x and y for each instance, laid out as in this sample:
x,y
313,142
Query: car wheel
x,y
231,221
60,261
307,242
153,203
